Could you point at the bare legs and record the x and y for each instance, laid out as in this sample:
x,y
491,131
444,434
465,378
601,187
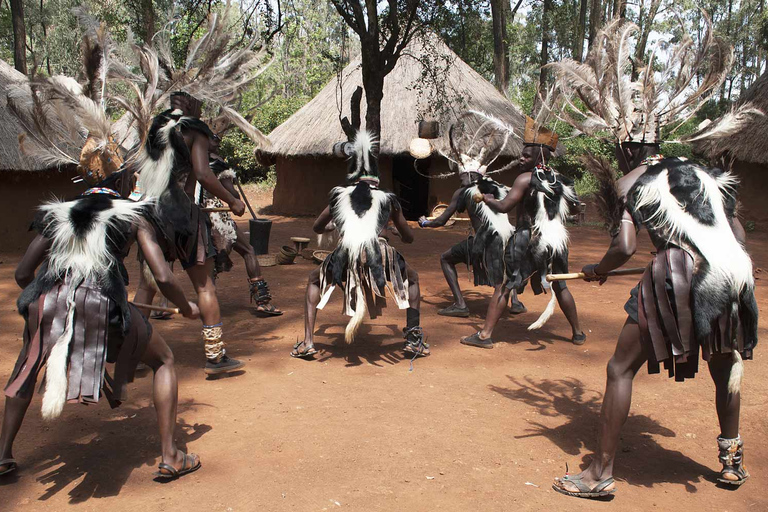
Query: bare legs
x,y
496,308
165,396
568,305
13,416
728,406
244,248
205,287
622,368
448,263
310,310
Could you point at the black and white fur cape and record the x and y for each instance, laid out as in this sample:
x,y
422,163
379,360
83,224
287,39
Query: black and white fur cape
x,y
88,236
690,206
547,205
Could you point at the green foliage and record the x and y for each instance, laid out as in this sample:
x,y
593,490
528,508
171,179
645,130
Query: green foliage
x,y
238,149
571,164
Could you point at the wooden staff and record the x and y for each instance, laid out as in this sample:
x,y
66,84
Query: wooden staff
x,y
157,308
217,209
452,218
582,275
245,198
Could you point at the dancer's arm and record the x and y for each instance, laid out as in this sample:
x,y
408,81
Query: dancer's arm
x,y
321,223
228,184
447,214
201,169
514,196
738,230
622,248
403,229
32,259
165,279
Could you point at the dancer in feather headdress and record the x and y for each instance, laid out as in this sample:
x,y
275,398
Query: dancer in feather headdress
x,y
697,295
543,199
227,236
476,141
174,158
364,265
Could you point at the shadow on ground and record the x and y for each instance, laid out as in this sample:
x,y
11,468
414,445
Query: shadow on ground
x,y
641,460
102,453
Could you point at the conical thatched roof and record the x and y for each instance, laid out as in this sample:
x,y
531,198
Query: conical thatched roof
x,y
11,157
314,129
749,144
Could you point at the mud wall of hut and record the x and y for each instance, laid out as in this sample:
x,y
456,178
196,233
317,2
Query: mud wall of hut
x,y
753,184
21,192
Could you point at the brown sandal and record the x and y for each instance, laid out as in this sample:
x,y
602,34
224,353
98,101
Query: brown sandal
x,y
168,472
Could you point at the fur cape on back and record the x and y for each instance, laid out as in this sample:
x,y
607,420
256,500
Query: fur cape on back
x,y
689,206
362,263
89,237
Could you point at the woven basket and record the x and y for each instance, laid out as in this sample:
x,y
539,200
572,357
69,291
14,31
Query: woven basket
x,y
319,256
266,260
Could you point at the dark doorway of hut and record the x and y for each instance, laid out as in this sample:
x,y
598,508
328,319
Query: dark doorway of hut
x,y
411,188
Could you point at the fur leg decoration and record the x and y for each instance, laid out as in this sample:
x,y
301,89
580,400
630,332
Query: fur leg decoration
x,y
545,316
214,347
737,374
56,371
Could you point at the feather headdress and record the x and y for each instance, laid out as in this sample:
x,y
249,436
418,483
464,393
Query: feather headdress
x,y
611,92
213,71
476,140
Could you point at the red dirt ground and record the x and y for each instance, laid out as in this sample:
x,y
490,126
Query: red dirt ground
x,y
355,429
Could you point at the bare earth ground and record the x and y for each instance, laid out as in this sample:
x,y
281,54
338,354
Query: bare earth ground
x,y
467,429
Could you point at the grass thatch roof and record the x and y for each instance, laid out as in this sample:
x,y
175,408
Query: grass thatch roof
x,y
749,144
314,129
11,157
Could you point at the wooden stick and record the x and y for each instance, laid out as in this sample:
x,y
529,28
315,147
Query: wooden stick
x,y
581,275
156,308
452,218
245,198
217,209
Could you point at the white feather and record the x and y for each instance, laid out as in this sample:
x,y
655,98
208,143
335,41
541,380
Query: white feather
x,y
546,315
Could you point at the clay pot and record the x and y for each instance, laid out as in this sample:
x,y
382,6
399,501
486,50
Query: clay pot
x,y
429,129
286,255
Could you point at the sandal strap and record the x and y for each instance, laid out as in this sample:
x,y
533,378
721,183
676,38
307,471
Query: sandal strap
x,y
172,470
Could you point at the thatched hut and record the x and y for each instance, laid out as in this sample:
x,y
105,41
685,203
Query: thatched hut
x,y
302,145
25,182
746,152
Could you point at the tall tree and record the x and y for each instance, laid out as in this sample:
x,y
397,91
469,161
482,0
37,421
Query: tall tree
x,y
595,19
19,36
645,22
581,28
148,19
500,45
544,56
382,41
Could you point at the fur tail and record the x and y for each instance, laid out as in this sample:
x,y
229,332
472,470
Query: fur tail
x,y
737,373
545,316
56,382
360,310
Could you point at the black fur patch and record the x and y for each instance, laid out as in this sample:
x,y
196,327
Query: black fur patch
x,y
361,199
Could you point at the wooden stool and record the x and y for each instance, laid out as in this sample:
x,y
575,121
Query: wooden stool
x,y
300,242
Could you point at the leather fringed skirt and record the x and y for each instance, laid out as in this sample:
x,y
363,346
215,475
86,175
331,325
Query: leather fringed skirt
x,y
96,340
335,270
662,307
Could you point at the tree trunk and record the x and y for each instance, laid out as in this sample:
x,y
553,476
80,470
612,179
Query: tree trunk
x,y
646,25
595,19
500,45
148,19
578,47
373,85
19,36
544,56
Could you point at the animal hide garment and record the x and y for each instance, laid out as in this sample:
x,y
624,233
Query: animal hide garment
x,y
688,209
360,213
87,237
